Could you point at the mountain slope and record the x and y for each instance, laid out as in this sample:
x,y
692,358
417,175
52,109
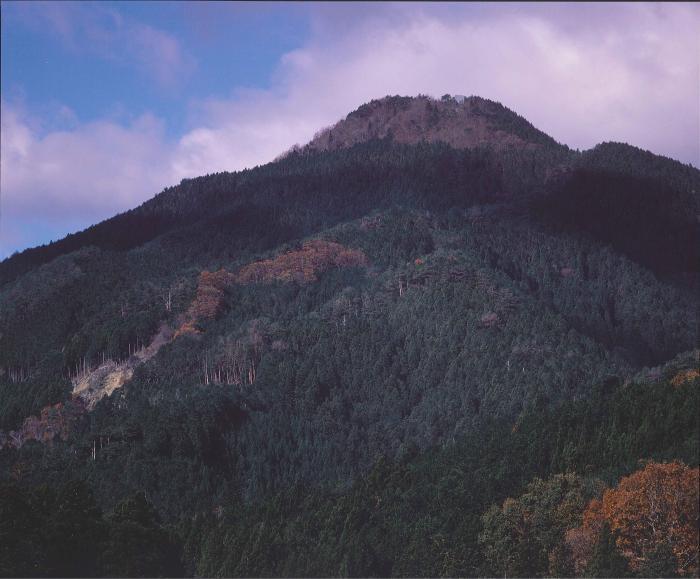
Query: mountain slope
x,y
390,291
512,159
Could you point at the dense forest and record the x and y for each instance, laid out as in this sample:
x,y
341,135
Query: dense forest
x,y
389,358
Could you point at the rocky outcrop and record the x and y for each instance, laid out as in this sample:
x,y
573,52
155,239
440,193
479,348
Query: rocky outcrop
x,y
103,380
92,386
89,388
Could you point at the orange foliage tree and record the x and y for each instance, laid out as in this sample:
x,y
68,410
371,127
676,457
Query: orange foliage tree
x,y
302,265
582,540
685,376
207,301
654,506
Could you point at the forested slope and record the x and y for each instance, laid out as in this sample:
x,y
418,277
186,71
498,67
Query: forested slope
x,y
476,313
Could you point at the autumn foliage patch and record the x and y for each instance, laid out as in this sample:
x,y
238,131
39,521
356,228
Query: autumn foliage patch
x,y
207,301
652,508
303,266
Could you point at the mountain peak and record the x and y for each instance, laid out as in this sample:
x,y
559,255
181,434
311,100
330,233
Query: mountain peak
x,y
460,121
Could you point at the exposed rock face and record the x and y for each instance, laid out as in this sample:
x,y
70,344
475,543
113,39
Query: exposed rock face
x,y
102,381
92,386
88,389
462,122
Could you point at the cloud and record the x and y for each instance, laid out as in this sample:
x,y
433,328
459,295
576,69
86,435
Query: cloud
x,y
583,73
93,28
76,177
159,53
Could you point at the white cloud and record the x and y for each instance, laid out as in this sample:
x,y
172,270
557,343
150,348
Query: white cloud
x,y
94,170
93,28
157,53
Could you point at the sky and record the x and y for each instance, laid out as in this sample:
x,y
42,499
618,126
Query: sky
x,y
104,104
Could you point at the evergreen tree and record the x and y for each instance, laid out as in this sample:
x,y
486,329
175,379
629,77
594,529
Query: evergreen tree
x,y
607,561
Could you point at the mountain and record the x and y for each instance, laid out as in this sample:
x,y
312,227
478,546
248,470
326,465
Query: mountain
x,y
341,362
461,122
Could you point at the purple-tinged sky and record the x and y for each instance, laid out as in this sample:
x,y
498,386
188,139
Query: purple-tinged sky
x,y
104,104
